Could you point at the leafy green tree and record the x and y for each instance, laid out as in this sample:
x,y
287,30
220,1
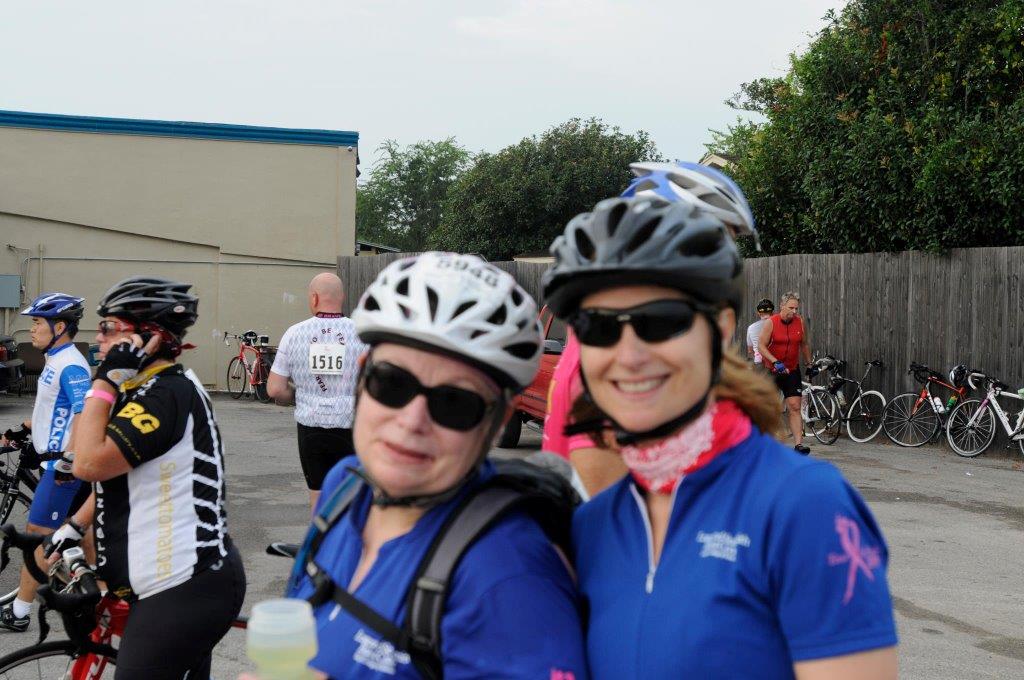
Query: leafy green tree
x,y
899,128
401,203
518,199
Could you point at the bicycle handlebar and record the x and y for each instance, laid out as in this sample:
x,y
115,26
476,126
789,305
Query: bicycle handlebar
x,y
27,544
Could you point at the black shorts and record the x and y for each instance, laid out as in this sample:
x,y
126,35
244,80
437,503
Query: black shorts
x,y
174,632
789,383
320,448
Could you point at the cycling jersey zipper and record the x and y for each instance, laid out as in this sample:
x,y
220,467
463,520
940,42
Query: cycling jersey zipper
x,y
652,568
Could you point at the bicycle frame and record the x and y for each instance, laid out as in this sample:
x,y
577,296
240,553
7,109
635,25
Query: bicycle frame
x,y
991,399
926,396
111,618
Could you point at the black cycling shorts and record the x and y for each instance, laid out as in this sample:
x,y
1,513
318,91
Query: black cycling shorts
x,y
320,448
789,383
174,632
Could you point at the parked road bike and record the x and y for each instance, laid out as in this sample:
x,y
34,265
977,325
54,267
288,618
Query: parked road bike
x,y
92,619
863,408
251,368
971,427
916,418
17,485
819,408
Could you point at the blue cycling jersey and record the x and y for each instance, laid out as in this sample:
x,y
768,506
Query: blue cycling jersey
x,y
60,395
770,558
511,611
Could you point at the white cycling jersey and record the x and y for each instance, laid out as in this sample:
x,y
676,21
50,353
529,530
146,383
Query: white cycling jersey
x,y
321,356
60,394
753,337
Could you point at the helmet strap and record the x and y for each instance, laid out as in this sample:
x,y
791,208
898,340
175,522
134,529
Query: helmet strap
x,y
55,336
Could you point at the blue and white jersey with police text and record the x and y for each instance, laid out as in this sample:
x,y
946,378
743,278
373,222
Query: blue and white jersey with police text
x,y
60,395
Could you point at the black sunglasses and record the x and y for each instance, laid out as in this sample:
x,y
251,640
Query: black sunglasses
x,y
452,407
653,322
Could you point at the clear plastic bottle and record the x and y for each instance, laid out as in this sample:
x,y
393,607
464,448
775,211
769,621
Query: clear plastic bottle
x,y
939,406
281,639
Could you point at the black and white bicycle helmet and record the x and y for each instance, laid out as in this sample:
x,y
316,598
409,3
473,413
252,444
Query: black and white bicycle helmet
x,y
958,375
630,241
458,305
152,299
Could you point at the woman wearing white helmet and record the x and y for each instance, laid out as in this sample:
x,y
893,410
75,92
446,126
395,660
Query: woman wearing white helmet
x,y
453,340
722,554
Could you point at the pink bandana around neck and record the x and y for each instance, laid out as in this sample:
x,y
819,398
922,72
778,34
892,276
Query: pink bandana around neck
x,y
660,467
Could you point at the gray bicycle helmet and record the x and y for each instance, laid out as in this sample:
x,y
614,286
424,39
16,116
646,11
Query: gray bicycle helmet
x,y
630,241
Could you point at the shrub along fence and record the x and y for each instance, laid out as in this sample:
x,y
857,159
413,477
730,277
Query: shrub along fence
x,y
938,310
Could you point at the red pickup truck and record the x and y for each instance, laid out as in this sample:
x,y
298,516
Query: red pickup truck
x,y
532,403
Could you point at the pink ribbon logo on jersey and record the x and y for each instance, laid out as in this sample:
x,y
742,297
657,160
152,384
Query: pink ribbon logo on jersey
x,y
562,675
858,558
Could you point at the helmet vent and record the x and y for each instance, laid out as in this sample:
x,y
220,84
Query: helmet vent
x,y
406,312
431,301
463,307
476,334
403,286
517,297
615,217
498,317
643,234
408,263
371,304
522,350
701,244
584,245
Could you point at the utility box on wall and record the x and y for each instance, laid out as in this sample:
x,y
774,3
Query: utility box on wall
x,y
10,291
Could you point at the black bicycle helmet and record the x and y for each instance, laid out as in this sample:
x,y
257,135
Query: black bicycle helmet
x,y
765,306
152,299
630,241
958,375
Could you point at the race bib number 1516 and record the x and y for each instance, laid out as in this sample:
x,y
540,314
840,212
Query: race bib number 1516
x,y
325,359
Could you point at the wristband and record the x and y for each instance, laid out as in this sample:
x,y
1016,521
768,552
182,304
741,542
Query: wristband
x,y
100,394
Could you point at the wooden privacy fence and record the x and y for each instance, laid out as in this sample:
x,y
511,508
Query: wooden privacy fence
x,y
938,310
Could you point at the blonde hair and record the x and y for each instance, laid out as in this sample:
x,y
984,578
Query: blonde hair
x,y
753,391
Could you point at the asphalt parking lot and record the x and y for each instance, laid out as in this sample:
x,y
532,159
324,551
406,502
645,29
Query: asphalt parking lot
x,y
955,530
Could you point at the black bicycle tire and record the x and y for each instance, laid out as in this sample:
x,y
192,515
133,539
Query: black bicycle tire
x,y
891,408
851,417
957,448
244,378
8,598
6,508
260,388
830,433
35,652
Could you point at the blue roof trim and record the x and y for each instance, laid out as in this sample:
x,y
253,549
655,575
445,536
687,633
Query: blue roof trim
x,y
166,128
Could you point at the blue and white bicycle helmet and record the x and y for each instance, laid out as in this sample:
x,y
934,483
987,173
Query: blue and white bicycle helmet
x,y
698,185
56,307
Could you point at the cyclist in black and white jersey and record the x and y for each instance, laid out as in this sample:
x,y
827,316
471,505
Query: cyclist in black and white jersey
x,y
321,358
148,440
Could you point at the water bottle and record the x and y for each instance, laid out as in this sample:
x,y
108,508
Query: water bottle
x,y
281,639
951,403
939,406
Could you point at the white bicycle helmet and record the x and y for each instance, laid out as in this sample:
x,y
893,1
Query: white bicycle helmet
x,y
458,305
698,185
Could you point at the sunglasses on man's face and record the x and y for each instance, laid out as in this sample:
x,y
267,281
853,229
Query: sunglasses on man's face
x,y
452,407
652,322
107,327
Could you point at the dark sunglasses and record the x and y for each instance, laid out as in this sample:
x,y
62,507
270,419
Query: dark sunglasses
x,y
652,322
452,407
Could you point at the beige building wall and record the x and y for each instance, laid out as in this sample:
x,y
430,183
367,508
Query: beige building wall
x,y
248,223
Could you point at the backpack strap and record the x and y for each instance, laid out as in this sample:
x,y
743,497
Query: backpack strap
x,y
426,598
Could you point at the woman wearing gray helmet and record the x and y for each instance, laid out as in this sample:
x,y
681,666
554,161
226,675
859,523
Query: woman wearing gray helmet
x,y
723,553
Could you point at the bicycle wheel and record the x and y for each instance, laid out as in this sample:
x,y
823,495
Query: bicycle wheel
x,y
967,438
50,660
238,378
14,507
908,423
823,416
260,388
864,419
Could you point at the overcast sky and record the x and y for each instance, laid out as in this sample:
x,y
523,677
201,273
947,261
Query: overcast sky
x,y
485,72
